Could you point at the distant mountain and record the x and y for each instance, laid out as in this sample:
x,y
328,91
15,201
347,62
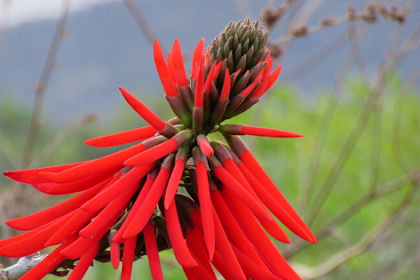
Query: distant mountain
x,y
105,49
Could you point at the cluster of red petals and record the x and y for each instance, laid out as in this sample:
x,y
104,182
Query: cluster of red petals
x,y
129,203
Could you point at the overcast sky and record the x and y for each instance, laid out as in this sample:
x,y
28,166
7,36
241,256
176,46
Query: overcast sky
x,y
20,11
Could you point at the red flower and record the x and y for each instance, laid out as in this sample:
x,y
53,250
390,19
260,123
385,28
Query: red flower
x,y
128,204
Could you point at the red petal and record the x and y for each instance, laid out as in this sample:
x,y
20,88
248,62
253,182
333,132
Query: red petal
x,y
206,207
49,263
143,111
225,249
50,214
251,269
254,167
126,182
273,205
241,193
226,86
139,201
198,52
164,75
84,263
179,69
81,245
153,153
80,185
199,86
196,246
152,252
103,164
267,132
31,176
72,226
116,206
273,77
258,237
145,211
115,254
30,242
128,257
173,183
178,243
232,228
121,138
210,78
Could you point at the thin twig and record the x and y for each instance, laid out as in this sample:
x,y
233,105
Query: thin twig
x,y
142,23
4,24
353,209
43,83
357,249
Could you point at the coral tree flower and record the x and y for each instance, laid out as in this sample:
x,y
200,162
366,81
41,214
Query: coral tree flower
x,y
211,202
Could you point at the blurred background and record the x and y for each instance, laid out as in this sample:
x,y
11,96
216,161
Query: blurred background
x,y
350,84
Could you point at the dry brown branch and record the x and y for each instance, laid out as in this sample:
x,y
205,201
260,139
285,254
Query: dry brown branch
x,y
43,83
339,259
142,23
355,208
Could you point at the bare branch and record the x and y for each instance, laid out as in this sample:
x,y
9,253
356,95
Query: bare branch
x,y
43,83
142,23
24,264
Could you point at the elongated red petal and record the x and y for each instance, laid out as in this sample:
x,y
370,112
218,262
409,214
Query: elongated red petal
x,y
153,153
210,78
126,182
49,263
173,183
145,211
198,51
181,251
31,176
72,226
233,230
116,206
251,269
206,207
50,214
82,245
273,77
137,204
204,145
238,129
162,68
259,173
80,185
226,85
121,138
224,247
199,86
30,242
240,192
115,254
143,111
84,263
128,257
152,252
161,150
178,62
103,164
258,237
273,205
197,247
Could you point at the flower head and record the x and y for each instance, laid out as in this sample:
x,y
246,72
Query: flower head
x,y
129,204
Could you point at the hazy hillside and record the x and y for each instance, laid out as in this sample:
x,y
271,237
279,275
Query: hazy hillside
x,y
105,49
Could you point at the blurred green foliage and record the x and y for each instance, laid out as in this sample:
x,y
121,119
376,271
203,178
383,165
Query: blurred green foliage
x,y
386,151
